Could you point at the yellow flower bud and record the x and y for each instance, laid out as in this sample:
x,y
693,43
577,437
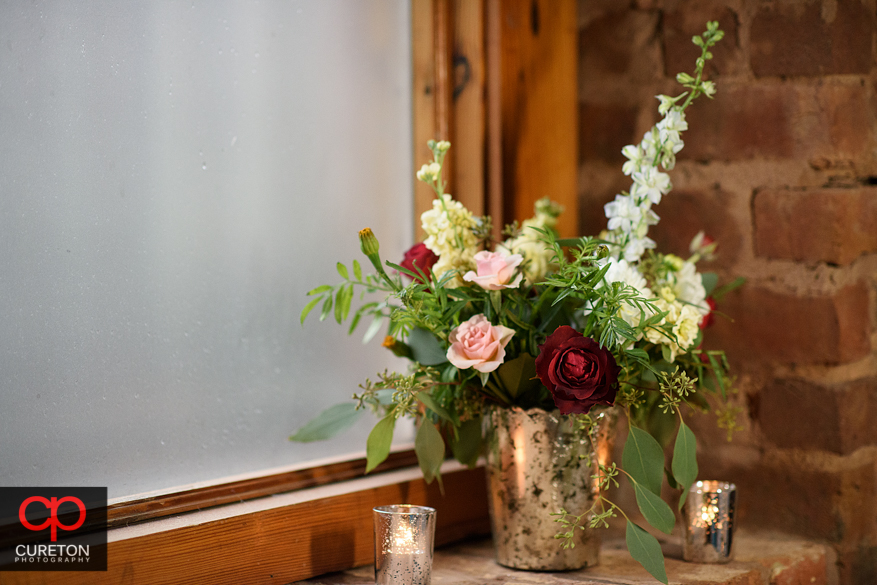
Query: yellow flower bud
x,y
368,242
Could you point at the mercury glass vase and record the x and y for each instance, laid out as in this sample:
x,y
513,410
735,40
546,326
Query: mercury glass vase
x,y
537,463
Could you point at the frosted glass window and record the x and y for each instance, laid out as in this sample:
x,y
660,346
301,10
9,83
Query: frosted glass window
x,y
174,176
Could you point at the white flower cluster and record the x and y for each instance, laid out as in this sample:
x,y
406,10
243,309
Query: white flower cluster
x,y
448,226
630,214
537,256
679,288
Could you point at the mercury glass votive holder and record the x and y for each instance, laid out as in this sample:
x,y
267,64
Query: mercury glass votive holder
x,y
404,536
709,522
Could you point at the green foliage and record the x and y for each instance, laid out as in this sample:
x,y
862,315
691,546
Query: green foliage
x,y
646,550
654,509
328,423
684,460
643,460
430,449
377,446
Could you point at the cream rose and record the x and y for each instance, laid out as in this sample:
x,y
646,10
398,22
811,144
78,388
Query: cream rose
x,y
478,344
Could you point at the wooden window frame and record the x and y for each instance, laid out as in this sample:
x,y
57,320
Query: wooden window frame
x,y
498,78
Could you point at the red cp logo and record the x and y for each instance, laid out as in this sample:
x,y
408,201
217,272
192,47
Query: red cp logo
x,y
52,505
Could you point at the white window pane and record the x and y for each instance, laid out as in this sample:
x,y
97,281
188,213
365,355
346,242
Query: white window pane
x,y
174,176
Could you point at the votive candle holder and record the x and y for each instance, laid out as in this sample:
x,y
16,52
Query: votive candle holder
x,y
404,537
709,522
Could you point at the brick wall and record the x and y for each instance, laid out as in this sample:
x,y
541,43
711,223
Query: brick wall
x,y
781,168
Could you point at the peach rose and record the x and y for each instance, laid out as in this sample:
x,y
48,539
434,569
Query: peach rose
x,y
495,270
478,344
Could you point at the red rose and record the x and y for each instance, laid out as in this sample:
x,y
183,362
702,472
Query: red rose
x,y
422,256
577,371
709,318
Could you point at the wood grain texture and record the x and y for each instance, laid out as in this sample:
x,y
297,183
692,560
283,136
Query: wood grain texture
x,y
278,540
534,86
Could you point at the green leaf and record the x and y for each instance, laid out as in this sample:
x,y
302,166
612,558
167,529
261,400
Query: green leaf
x,y
327,308
373,328
496,300
643,459
328,423
467,445
671,480
710,280
342,270
319,290
639,355
720,292
426,348
377,446
430,449
484,376
339,305
357,270
654,509
517,375
666,353
308,307
685,460
646,550
428,401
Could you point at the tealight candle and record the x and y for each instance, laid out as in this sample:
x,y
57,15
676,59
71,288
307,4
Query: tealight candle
x,y
404,544
709,522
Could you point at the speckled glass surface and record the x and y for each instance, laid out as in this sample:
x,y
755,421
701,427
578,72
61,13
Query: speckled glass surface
x,y
709,522
404,536
537,463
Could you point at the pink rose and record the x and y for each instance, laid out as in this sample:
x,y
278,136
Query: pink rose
x,y
495,270
478,344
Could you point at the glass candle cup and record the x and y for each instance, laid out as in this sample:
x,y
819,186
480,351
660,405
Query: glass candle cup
x,y
404,536
709,522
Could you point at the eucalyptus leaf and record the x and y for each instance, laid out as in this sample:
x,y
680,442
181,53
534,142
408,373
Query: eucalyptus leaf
x,y
643,459
430,449
654,509
646,550
685,460
426,348
710,280
467,445
328,423
377,446
428,401
517,375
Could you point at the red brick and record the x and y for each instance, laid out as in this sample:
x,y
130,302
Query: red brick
x,y
681,25
604,131
604,45
684,213
796,38
788,496
795,413
844,125
772,327
857,565
742,122
824,225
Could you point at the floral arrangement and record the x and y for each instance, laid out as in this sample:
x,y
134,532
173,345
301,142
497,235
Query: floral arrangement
x,y
532,320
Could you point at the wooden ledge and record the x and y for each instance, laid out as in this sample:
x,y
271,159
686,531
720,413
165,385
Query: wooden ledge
x,y
761,559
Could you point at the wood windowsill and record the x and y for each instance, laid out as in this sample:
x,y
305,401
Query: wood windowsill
x,y
760,560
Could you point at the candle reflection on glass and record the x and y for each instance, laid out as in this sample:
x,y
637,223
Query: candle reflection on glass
x,y
404,544
709,522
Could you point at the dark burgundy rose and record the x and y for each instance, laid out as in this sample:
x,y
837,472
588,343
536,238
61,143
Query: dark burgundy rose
x,y
422,256
709,318
577,371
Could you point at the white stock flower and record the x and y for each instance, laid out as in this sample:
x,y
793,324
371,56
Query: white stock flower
x,y
623,214
666,103
636,247
448,226
708,87
682,320
651,184
688,287
635,159
622,271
